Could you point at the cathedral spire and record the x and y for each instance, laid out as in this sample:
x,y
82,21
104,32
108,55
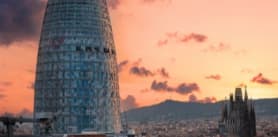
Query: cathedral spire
x,y
238,94
224,111
246,94
231,101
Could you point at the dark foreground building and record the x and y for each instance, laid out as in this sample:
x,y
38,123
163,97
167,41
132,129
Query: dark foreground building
x,y
238,119
76,86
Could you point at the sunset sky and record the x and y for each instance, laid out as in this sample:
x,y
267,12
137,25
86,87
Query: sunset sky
x,y
186,50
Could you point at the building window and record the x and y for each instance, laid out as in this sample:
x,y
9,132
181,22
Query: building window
x,y
113,52
106,50
88,49
78,48
96,49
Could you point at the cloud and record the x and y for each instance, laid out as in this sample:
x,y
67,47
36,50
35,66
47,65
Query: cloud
x,y
3,86
122,65
262,80
221,47
141,71
162,42
20,20
137,69
194,37
214,77
114,4
31,86
172,35
2,96
144,90
6,83
198,38
161,86
163,73
193,98
182,38
153,1
241,85
208,100
183,88
137,62
129,103
246,70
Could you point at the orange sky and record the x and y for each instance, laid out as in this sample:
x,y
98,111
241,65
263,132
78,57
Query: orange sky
x,y
240,43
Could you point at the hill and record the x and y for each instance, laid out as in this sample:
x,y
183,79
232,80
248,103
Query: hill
x,y
176,110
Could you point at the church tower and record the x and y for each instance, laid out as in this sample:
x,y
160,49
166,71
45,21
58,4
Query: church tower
x,y
239,120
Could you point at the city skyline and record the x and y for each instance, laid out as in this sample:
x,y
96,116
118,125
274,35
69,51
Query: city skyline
x,y
167,49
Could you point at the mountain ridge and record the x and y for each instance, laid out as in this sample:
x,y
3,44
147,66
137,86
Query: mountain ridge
x,y
178,110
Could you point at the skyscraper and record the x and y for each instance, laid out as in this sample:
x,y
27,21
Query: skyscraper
x,y
76,84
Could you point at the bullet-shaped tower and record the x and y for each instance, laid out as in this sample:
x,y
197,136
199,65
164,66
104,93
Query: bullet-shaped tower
x,y
76,84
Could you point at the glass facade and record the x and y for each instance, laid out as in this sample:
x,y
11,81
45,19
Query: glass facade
x,y
76,77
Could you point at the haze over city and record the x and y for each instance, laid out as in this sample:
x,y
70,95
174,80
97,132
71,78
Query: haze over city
x,y
185,50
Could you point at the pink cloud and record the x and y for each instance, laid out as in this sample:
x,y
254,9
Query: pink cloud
x,y
262,80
